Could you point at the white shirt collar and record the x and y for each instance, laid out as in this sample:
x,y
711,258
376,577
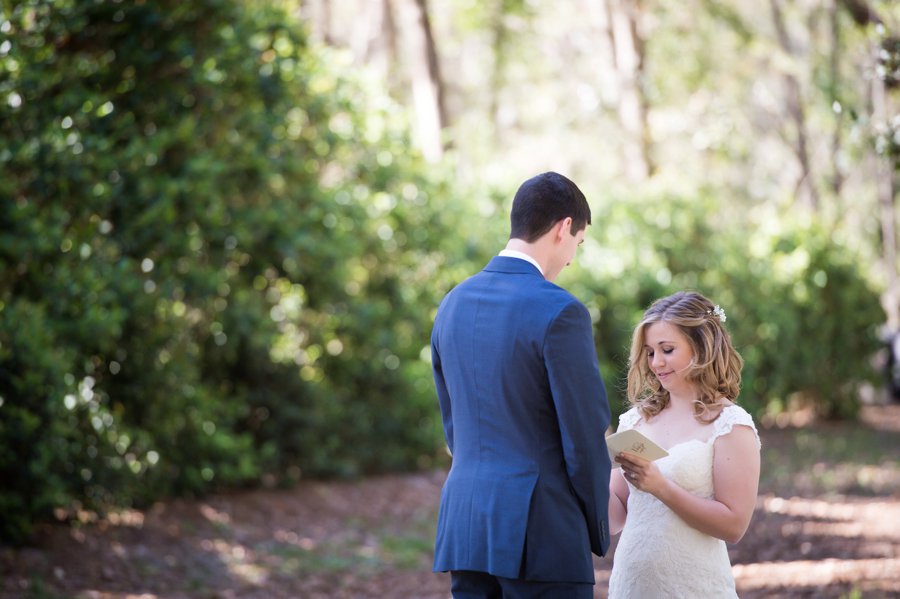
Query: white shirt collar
x,y
522,256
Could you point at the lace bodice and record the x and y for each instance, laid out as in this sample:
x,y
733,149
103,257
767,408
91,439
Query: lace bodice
x,y
658,554
722,425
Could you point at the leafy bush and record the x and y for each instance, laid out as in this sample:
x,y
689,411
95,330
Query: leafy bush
x,y
220,261
216,259
800,310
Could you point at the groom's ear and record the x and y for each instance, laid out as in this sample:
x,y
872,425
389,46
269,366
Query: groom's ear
x,y
563,228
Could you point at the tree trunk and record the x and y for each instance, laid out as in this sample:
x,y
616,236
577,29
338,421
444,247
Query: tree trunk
x,y
885,186
375,39
796,112
837,181
427,85
318,14
498,45
627,47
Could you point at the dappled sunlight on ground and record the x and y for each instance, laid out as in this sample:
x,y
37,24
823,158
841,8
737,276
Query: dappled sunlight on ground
x,y
826,548
835,577
838,533
865,518
881,417
827,525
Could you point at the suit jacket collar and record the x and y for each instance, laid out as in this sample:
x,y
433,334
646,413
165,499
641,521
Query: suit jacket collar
x,y
509,265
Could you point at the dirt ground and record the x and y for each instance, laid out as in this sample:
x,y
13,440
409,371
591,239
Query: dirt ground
x,y
372,538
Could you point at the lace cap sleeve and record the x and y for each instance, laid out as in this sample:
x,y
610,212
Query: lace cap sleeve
x,y
628,419
731,416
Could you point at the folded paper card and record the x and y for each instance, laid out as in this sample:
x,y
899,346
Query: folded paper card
x,y
633,442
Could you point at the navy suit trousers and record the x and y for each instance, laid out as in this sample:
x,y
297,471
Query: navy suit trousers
x,y
465,584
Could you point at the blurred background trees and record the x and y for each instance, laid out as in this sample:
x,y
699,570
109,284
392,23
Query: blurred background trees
x,y
225,225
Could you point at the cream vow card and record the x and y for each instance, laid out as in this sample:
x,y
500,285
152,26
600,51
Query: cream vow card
x,y
633,442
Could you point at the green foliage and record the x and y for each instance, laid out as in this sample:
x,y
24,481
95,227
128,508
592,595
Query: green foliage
x,y
214,259
219,264
811,319
800,311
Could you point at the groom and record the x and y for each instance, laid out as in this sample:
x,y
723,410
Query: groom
x,y
524,412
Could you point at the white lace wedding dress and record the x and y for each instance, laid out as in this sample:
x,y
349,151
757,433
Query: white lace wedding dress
x,y
658,555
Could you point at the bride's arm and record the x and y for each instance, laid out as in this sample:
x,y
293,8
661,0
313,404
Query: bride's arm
x,y
618,501
736,468
735,478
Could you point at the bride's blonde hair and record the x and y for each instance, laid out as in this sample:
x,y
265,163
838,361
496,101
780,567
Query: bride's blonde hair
x,y
716,368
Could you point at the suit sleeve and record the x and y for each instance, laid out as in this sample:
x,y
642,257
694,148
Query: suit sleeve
x,y
583,413
443,394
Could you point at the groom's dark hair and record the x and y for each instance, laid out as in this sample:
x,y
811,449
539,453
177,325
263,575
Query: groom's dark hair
x,y
543,201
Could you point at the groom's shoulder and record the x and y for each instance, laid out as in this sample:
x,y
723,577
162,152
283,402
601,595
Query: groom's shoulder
x,y
553,299
558,294
533,291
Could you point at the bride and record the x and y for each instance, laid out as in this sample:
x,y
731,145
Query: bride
x,y
676,514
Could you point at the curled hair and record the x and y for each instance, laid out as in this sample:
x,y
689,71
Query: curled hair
x,y
716,369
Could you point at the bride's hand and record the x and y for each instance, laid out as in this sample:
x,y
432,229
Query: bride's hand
x,y
642,474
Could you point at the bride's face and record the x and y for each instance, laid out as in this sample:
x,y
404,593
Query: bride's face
x,y
669,355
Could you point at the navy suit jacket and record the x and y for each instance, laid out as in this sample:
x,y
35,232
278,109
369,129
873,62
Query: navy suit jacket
x,y
525,414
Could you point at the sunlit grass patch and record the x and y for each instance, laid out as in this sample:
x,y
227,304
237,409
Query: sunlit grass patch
x,y
830,459
362,550
408,552
38,589
363,556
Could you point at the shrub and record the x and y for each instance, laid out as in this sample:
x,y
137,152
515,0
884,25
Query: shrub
x,y
800,310
215,259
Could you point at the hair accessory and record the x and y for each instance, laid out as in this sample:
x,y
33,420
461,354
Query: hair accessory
x,y
718,312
